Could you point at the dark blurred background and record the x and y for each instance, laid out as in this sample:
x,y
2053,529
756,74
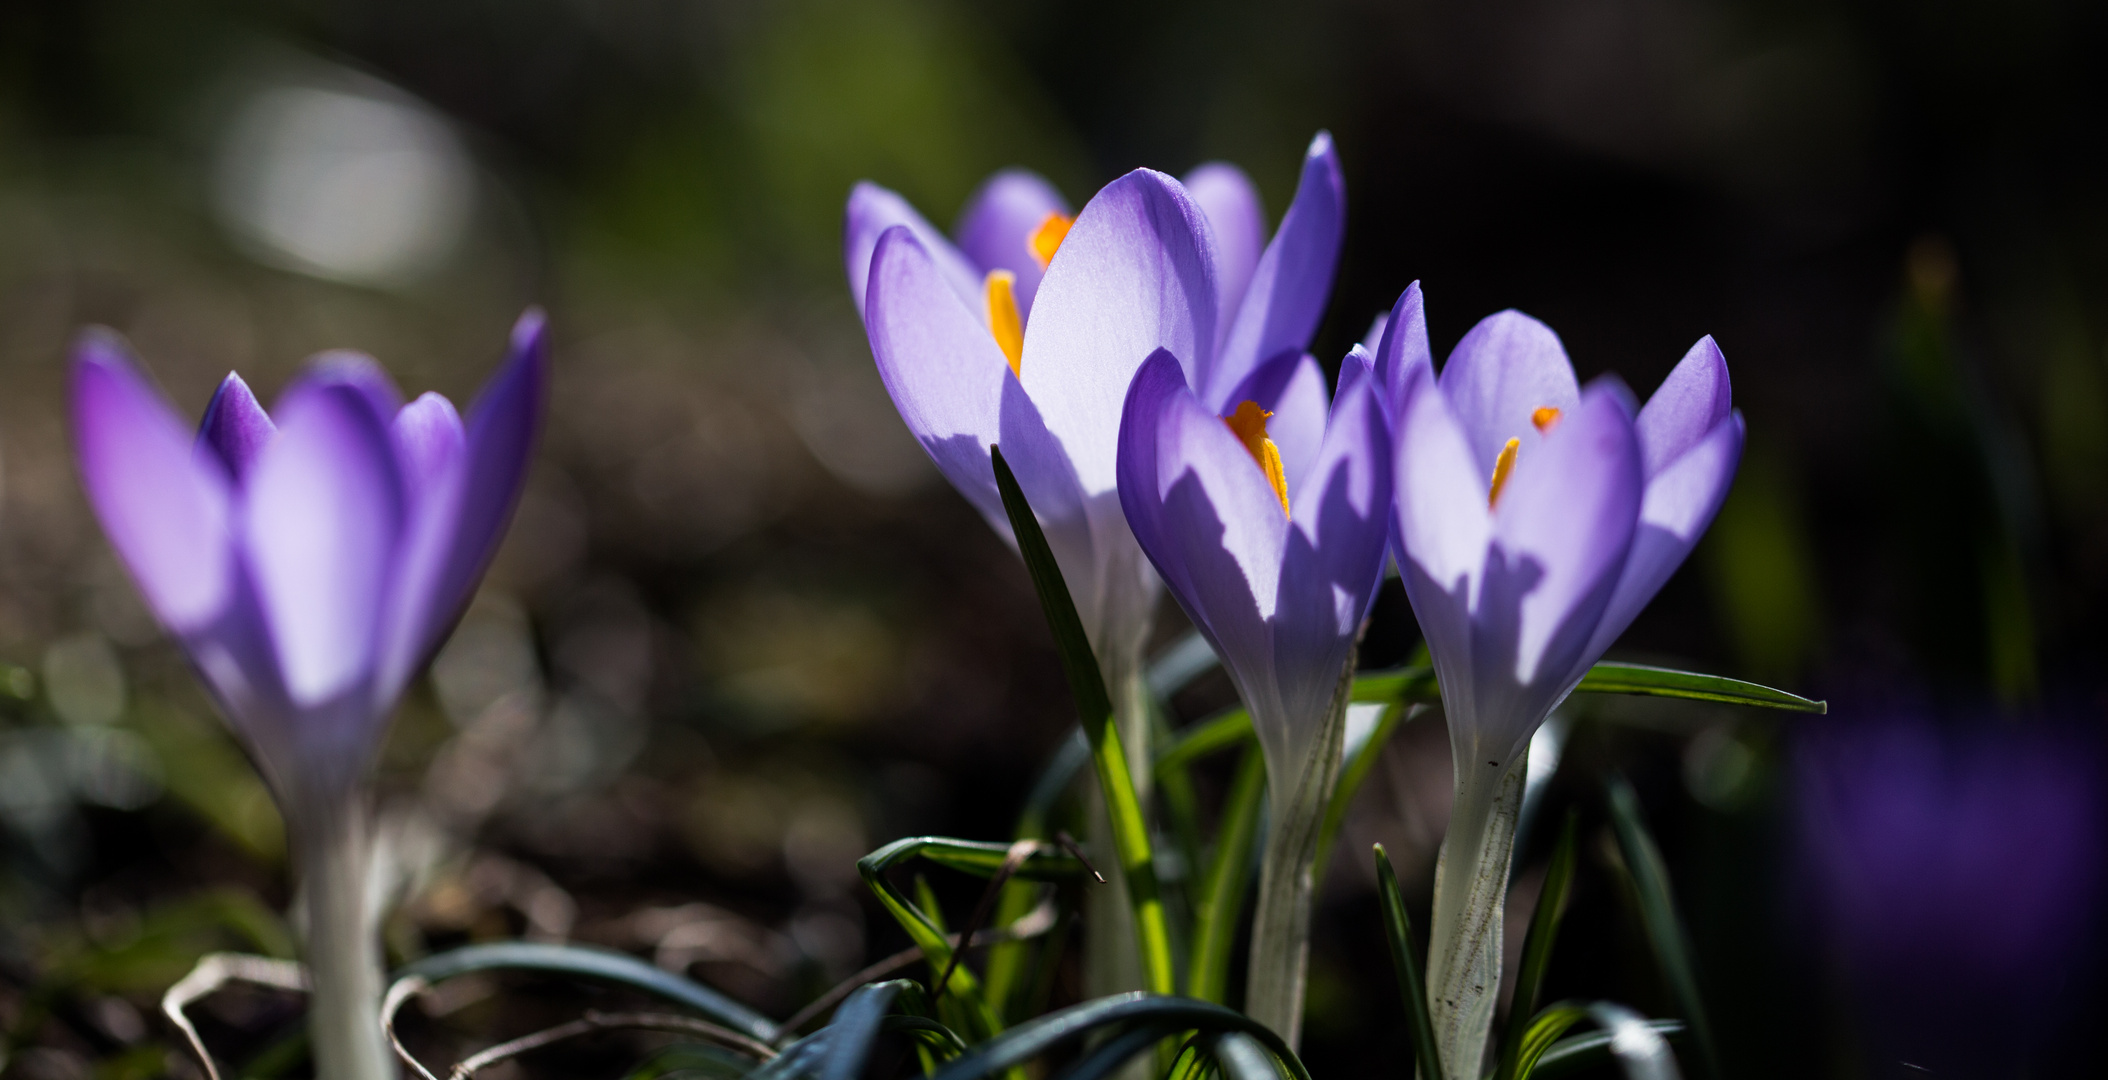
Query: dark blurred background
x,y
742,633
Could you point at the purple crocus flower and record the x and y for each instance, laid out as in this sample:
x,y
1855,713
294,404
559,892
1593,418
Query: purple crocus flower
x,y
1266,513
309,559
1028,331
1955,878
1535,518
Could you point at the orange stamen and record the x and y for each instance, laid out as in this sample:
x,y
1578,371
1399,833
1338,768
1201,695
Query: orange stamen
x,y
1502,466
1003,319
1046,239
1544,418
1248,423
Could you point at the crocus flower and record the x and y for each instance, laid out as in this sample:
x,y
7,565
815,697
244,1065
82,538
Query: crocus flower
x,y
1534,519
1266,514
1955,878
309,560
999,339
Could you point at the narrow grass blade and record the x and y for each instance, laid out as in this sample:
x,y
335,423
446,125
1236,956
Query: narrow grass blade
x,y
1657,903
1165,1015
1231,727
855,1028
1536,1037
1410,685
1242,1058
1220,901
1107,1057
1537,947
1398,928
1584,1054
1006,959
591,963
1647,681
1094,708
1351,774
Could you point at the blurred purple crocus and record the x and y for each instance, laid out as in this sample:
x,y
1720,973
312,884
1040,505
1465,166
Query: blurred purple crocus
x,y
1535,518
1266,513
1029,329
1955,877
310,560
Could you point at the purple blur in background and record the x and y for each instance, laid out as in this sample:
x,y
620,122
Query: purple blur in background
x,y
1955,877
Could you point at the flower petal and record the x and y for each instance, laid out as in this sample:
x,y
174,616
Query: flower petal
x,y
321,520
1506,368
235,426
1238,220
943,369
872,210
1688,406
1334,556
355,371
1680,502
1562,531
1403,348
1440,505
995,230
163,505
1292,387
1134,275
428,441
1292,284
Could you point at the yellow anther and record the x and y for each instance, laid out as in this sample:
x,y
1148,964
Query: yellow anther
x,y
1544,418
1003,320
1047,237
1248,423
1502,466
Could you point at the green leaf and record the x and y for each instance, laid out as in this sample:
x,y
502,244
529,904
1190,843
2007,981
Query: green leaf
x,y
1351,774
1537,946
1607,678
1228,728
587,962
1107,1057
1407,685
1583,1054
1220,902
1649,878
1163,1015
1537,1036
1094,708
1006,959
1398,928
855,1028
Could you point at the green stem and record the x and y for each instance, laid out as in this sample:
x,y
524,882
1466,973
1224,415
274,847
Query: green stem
x,y
1222,892
1130,834
1280,959
343,950
1471,885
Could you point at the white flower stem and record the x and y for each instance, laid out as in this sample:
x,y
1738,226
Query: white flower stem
x,y
1471,886
1280,959
333,844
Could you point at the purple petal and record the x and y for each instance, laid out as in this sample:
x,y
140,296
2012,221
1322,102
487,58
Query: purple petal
x,y
1564,525
1403,348
1159,380
1506,368
1335,550
355,371
428,441
872,210
1238,220
1290,288
1440,505
1219,534
1680,502
1134,275
1690,403
163,505
235,426
995,230
464,482
1292,387
939,363
321,522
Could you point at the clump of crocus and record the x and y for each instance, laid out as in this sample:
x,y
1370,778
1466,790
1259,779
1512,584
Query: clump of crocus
x,y
1266,513
1027,332
1535,518
1955,877
310,560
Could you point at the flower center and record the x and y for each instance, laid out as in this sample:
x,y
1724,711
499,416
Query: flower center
x,y
1047,238
1003,319
1544,418
1248,423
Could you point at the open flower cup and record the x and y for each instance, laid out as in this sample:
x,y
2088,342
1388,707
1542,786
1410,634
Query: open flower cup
x,y
1535,518
310,560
